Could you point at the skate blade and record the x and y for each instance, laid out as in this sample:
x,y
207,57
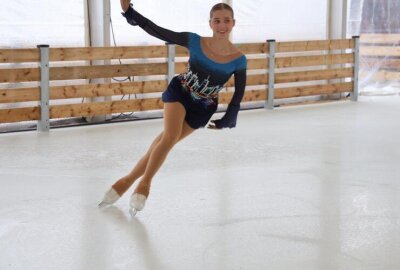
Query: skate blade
x,y
133,212
103,205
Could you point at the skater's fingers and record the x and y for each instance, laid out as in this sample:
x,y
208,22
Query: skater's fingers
x,y
212,126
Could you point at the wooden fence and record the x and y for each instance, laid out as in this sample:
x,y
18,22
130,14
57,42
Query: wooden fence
x,y
380,57
301,68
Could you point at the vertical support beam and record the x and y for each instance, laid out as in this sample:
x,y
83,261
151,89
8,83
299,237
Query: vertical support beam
x,y
44,122
271,74
98,20
171,60
336,19
336,29
354,94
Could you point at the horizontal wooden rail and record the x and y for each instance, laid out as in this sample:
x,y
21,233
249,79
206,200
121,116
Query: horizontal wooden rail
x,y
291,92
19,114
322,89
380,51
107,71
258,79
380,38
107,53
388,63
107,107
260,63
85,90
181,51
249,96
318,60
382,75
317,45
315,75
19,75
19,55
87,53
253,48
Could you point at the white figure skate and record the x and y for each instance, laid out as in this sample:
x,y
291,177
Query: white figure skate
x,y
110,197
136,203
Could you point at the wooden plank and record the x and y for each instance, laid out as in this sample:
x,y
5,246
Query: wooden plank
x,y
259,79
261,63
108,107
19,114
181,67
181,51
19,95
381,76
108,89
19,55
84,90
381,63
380,51
314,60
253,48
316,45
249,96
106,71
322,89
19,75
380,38
107,53
314,75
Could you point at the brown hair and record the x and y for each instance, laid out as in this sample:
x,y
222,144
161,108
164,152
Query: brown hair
x,y
221,6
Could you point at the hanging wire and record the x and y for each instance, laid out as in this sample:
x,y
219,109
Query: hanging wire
x,y
121,80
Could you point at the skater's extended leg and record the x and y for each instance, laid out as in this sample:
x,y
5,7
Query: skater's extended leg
x,y
123,184
175,129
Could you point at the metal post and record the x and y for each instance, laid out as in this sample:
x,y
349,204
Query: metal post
x,y
271,74
354,94
44,122
171,61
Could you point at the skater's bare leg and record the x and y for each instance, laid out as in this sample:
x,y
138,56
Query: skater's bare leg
x,y
123,184
175,129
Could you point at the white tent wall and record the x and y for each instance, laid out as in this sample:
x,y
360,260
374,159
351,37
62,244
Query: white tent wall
x,y
281,20
177,15
256,21
62,23
28,23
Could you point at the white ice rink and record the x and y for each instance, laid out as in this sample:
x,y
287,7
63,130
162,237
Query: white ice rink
x,y
303,187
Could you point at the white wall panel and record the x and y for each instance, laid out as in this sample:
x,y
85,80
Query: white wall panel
x,y
28,23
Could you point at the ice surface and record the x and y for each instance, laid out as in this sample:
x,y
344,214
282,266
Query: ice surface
x,y
305,187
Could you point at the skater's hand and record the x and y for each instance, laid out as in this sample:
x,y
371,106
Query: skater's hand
x,y
214,125
125,4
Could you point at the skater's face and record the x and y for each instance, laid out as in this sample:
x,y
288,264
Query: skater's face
x,y
222,22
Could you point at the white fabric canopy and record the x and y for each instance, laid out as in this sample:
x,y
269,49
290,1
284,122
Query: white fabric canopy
x,y
62,23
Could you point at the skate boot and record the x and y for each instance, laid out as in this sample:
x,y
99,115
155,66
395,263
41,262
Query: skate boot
x,y
110,197
136,203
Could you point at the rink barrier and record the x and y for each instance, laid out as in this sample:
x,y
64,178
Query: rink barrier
x,y
298,69
380,57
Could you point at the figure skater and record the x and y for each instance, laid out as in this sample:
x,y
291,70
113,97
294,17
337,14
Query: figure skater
x,y
191,98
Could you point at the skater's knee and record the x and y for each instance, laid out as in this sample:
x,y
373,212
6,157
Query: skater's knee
x,y
169,140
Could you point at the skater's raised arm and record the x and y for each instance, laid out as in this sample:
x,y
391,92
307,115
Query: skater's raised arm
x,y
135,18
